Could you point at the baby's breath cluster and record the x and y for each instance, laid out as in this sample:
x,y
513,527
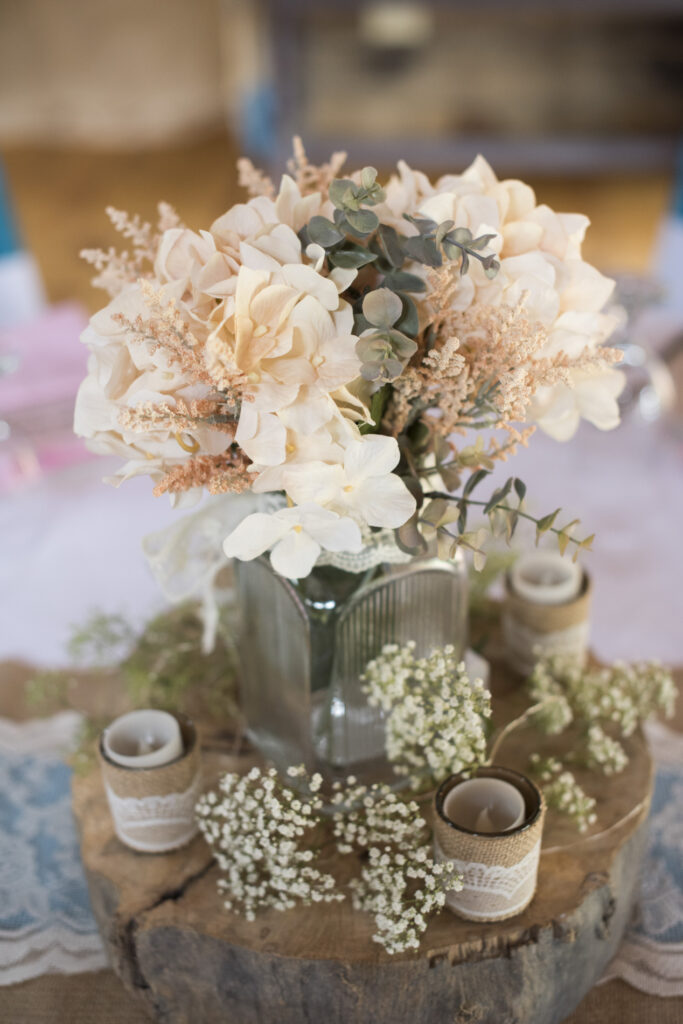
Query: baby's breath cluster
x,y
436,721
257,828
619,697
562,791
603,752
400,884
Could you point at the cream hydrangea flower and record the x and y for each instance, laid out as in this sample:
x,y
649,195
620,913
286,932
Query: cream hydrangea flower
x,y
541,266
124,372
295,537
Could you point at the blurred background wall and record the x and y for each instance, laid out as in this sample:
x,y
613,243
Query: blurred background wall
x,y
132,100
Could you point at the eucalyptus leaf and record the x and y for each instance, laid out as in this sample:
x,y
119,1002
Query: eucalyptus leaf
x,y
409,322
351,259
382,307
323,232
339,191
474,479
364,222
409,538
390,245
423,250
402,281
450,476
368,177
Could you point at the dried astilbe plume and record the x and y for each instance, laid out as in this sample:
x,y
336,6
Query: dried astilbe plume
x,y
255,181
308,177
182,416
116,270
218,473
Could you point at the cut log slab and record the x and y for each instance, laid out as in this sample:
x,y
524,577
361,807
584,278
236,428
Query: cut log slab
x,y
189,960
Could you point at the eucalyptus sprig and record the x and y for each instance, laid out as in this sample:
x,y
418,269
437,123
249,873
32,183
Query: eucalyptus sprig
x,y
444,517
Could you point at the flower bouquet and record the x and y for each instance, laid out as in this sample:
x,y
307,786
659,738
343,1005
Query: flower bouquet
x,y
355,358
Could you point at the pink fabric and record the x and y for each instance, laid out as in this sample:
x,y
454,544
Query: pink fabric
x,y
37,398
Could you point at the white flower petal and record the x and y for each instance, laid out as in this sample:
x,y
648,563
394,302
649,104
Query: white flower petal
x,y
374,455
295,555
383,501
254,535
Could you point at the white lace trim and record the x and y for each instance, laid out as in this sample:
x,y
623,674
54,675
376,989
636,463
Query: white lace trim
x,y
378,549
491,890
154,824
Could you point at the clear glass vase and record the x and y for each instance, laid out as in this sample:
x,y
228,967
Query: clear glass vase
x,y
304,646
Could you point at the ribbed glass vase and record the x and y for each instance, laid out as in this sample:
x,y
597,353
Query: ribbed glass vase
x,y
304,646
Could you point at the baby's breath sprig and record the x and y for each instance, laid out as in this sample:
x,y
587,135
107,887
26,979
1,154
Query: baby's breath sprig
x,y
562,792
257,828
436,721
620,697
400,884
260,830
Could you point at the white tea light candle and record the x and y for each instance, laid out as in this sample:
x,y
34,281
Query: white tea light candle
x,y
545,577
143,739
485,805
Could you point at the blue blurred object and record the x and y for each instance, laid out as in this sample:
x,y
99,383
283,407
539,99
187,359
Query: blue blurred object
x,y
9,235
257,122
21,289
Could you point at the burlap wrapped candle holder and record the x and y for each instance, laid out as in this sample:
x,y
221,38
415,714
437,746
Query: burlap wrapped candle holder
x,y
532,630
153,808
499,869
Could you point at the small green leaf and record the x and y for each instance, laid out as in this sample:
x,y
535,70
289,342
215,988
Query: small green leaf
x,y
480,243
351,259
390,245
498,495
323,232
409,322
364,222
562,541
338,191
520,488
423,250
402,281
474,479
450,476
409,538
368,176
382,307
545,523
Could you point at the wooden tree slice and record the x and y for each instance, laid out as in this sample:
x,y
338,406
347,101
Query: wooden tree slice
x,y
190,960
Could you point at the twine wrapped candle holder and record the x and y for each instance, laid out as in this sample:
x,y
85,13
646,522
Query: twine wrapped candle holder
x,y
532,629
499,869
153,808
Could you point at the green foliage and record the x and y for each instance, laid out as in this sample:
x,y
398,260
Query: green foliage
x,y
162,666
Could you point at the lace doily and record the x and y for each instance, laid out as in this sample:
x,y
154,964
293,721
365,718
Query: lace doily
x,y
651,955
46,923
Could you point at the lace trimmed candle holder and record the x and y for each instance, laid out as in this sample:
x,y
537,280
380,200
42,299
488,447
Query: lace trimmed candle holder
x,y
153,808
533,630
499,869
